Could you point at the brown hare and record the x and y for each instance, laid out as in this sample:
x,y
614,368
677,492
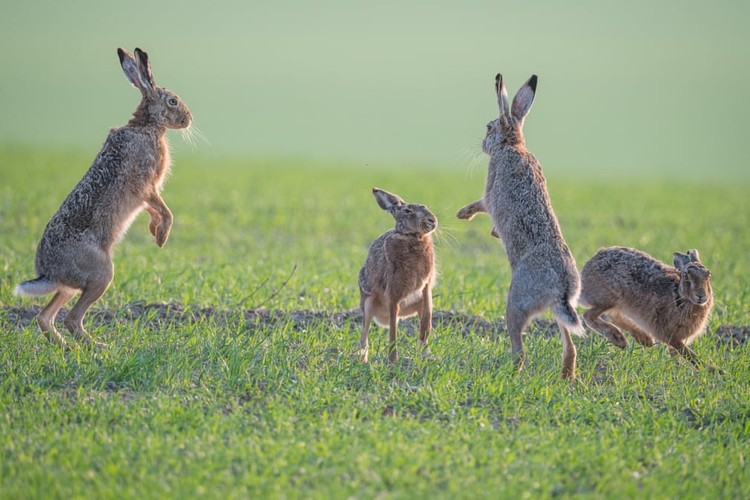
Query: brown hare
x,y
75,252
544,273
399,273
648,298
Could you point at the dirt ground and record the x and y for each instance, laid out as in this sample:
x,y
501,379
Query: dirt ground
x,y
158,315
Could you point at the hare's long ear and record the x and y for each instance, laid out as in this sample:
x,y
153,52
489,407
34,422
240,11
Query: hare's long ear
x,y
524,99
680,260
145,66
502,98
693,254
132,71
387,201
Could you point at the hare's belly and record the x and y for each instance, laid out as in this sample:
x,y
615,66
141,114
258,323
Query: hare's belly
x,y
409,306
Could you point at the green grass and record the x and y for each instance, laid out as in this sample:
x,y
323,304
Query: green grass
x,y
232,407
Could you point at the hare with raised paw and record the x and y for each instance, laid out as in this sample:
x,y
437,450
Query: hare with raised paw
x,y
544,273
75,252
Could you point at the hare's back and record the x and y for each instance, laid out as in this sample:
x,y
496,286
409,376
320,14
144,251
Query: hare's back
x,y
628,271
522,212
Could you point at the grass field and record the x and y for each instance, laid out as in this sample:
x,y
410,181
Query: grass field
x,y
205,397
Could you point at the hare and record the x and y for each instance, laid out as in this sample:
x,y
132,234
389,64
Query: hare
x,y
75,252
544,273
648,298
399,273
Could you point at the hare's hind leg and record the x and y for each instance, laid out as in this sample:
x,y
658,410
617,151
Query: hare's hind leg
x,y
528,295
569,353
605,328
100,265
366,303
425,321
393,309
46,317
626,323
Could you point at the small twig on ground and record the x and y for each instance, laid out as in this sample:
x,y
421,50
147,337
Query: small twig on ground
x,y
278,290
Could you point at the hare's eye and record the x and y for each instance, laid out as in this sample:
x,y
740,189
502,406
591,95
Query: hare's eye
x,y
408,211
172,101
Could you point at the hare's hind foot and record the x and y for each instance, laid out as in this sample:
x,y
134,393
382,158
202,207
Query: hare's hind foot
x,y
425,350
568,373
392,353
593,319
89,342
54,336
519,361
48,329
680,349
364,354
46,318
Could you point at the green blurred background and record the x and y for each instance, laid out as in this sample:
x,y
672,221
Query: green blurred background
x,y
644,86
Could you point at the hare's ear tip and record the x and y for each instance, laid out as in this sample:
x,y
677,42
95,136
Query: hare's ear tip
x,y
533,81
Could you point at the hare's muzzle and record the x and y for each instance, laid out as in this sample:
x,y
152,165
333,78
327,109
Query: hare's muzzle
x,y
429,224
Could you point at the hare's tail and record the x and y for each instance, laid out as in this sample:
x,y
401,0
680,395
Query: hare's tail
x,y
35,287
566,314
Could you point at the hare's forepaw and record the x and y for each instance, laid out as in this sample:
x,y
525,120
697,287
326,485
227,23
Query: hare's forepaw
x,y
466,213
162,234
469,211
152,225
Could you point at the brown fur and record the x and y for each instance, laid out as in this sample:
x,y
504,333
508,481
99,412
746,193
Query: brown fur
x,y
544,273
648,298
399,273
75,252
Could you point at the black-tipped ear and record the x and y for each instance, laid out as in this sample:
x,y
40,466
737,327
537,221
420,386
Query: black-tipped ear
x,y
145,66
524,99
123,54
693,254
502,97
387,201
132,71
680,260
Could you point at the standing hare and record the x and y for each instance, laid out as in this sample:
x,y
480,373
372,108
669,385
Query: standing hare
x,y
544,273
75,252
648,298
399,273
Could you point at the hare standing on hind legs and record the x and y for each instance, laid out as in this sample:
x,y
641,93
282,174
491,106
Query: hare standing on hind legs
x,y
399,273
647,298
544,273
75,252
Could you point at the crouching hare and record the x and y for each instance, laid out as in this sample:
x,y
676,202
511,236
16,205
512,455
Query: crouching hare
x,y
399,273
75,252
544,273
648,298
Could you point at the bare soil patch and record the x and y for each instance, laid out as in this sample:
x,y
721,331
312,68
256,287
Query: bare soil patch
x,y
158,315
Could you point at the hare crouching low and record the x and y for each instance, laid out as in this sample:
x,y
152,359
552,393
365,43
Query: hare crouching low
x,y
543,270
399,273
648,298
75,252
